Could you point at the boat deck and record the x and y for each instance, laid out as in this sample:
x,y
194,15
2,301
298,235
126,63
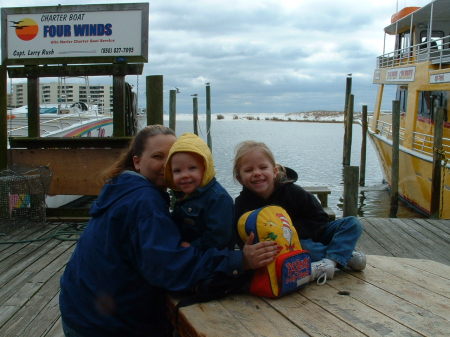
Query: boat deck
x,y
389,294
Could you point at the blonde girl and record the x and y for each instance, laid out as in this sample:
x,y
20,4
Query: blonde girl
x,y
331,244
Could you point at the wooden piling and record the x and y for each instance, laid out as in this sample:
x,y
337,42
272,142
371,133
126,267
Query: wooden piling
x,y
155,99
119,106
195,113
34,124
395,158
3,118
362,161
436,177
172,109
348,132
208,116
348,90
350,206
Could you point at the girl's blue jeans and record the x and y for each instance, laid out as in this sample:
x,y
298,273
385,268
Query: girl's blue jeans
x,y
341,235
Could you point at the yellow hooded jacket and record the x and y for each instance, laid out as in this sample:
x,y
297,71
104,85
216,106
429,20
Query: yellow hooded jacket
x,y
189,142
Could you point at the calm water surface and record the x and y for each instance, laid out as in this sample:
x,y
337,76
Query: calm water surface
x,y
314,150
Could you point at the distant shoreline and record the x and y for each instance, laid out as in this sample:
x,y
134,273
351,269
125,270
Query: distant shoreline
x,y
308,117
291,120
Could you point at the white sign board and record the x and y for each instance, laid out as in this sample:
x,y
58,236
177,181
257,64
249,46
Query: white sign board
x,y
440,78
406,74
76,32
376,75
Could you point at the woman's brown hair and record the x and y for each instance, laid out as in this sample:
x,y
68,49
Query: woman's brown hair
x,y
136,148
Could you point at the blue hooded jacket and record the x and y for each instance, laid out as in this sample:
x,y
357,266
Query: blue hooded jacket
x,y
114,284
206,216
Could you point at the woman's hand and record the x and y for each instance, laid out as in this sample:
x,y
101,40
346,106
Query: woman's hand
x,y
259,254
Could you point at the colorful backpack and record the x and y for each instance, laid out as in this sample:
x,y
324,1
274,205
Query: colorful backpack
x,y
292,267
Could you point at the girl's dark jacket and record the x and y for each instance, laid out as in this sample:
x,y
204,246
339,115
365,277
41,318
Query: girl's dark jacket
x,y
305,210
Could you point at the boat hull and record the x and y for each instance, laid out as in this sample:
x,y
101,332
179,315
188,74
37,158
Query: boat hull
x,y
415,176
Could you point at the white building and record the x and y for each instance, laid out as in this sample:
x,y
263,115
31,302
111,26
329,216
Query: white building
x,y
66,94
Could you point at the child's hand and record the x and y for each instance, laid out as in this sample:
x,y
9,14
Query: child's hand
x,y
259,254
185,244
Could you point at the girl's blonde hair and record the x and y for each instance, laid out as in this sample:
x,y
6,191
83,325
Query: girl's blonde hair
x,y
136,148
248,146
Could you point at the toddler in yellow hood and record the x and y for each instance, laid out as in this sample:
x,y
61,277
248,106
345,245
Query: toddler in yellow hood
x,y
203,209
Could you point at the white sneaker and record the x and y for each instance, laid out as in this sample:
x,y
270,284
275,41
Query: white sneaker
x,y
358,261
322,271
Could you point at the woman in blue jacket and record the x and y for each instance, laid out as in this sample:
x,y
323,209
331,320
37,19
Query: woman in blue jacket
x,y
129,255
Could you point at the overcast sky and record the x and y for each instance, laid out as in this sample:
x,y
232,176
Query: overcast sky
x,y
262,56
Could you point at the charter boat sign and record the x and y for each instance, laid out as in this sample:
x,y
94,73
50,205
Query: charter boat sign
x,y
116,33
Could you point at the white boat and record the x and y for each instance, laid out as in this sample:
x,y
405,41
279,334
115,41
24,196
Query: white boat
x,y
75,120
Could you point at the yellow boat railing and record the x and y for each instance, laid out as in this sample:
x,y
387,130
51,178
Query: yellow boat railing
x,y
422,142
436,51
385,129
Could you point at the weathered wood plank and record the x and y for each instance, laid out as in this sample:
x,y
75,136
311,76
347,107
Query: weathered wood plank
x,y
24,259
47,317
23,233
18,231
433,245
29,260
11,250
77,70
371,242
311,317
444,224
409,283
426,274
440,227
405,241
56,330
31,285
380,235
349,309
75,171
418,319
19,323
259,317
397,295
429,230
209,319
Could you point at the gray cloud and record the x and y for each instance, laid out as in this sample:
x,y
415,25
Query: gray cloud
x,y
266,55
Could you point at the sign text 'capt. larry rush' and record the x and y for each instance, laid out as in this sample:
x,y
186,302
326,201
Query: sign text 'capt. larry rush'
x,y
42,52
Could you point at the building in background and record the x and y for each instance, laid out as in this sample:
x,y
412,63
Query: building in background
x,y
9,97
64,94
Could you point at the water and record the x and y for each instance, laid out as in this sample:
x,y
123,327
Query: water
x,y
314,150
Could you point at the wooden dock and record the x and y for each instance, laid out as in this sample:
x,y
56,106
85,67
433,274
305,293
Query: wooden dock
x,y
405,290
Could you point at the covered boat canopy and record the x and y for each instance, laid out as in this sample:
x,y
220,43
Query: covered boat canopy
x,y
439,8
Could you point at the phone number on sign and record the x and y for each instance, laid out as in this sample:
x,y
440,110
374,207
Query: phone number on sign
x,y
117,50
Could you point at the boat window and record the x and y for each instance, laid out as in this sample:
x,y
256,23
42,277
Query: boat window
x,y
430,100
402,97
403,44
405,41
436,39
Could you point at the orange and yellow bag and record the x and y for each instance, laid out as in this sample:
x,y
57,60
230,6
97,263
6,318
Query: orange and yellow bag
x,y
292,267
